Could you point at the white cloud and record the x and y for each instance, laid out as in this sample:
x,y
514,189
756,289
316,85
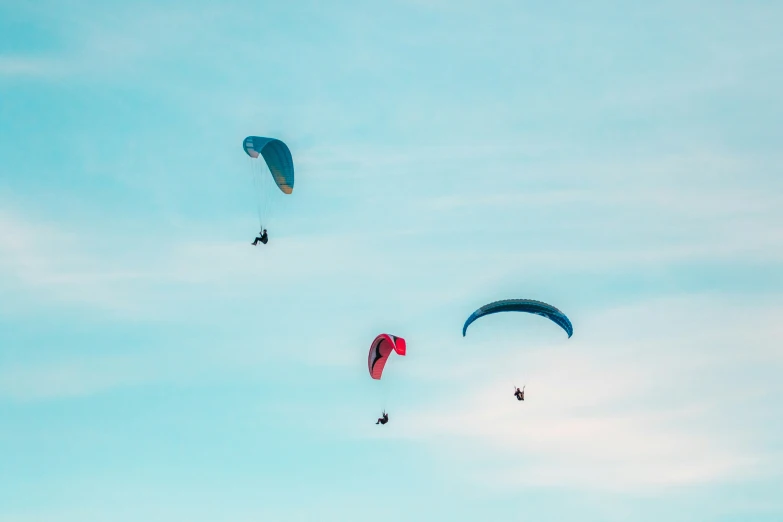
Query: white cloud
x,y
107,43
150,277
53,263
657,395
73,378
30,66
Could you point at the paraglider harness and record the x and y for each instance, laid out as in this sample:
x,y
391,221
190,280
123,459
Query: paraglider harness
x,y
384,419
520,394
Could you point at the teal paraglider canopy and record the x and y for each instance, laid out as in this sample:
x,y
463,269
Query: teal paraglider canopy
x,y
277,157
522,305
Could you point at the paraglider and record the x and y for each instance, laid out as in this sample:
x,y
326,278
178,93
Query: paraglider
x,y
522,305
380,350
279,169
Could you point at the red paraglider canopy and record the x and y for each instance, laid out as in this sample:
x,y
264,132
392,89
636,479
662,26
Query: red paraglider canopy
x,y
380,349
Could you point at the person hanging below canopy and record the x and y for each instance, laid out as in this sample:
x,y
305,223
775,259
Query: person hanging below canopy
x,y
520,394
263,238
384,419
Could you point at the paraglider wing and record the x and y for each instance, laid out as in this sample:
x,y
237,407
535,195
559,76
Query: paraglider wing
x,y
522,305
380,349
278,159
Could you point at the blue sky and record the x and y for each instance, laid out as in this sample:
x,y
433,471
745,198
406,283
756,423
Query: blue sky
x,y
619,161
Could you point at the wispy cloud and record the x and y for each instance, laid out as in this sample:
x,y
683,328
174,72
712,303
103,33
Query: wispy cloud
x,y
143,277
72,274
107,43
74,377
643,408
12,66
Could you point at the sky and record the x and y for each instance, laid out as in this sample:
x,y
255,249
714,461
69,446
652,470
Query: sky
x,y
618,160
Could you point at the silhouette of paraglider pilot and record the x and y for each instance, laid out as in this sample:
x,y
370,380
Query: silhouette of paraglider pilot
x,y
263,238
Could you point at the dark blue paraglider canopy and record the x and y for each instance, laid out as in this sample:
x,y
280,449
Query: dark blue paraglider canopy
x,y
522,305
